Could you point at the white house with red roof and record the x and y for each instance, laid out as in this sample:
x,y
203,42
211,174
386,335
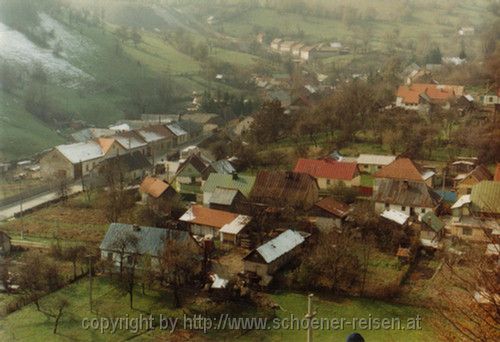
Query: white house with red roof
x,y
329,172
421,96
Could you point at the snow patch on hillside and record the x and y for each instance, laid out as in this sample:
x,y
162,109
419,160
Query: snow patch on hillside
x,y
70,43
17,49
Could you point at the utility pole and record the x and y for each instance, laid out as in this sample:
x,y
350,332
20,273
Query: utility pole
x,y
309,316
90,281
21,213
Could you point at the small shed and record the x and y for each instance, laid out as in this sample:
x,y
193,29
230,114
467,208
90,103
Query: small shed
x,y
227,199
272,255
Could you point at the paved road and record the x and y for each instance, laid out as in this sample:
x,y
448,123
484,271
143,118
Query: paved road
x,y
9,211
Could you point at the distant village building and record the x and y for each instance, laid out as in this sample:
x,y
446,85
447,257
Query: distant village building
x,y
423,97
306,52
268,258
285,188
205,221
276,43
190,175
227,199
329,172
157,193
371,163
403,169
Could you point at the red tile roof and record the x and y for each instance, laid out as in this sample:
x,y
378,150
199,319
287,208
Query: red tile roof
x,y
497,173
210,217
333,206
402,168
436,92
326,168
153,186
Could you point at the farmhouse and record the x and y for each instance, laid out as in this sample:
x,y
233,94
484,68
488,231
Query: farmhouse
x,y
132,166
159,139
371,163
131,141
71,161
329,213
286,46
285,188
423,96
190,175
226,199
180,135
432,228
296,49
306,52
234,181
206,221
464,183
329,172
267,259
158,194
122,241
407,196
403,169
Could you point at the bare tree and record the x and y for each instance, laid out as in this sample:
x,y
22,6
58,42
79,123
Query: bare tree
x,y
125,245
179,265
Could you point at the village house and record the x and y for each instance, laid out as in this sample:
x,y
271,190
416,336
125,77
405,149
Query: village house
x,y
307,52
131,141
234,181
190,176
226,199
179,134
123,241
91,134
205,221
328,213
475,215
275,44
285,188
267,259
5,244
286,46
159,139
403,169
132,166
71,161
371,163
463,183
409,197
329,173
462,166
157,193
431,230
423,97
296,49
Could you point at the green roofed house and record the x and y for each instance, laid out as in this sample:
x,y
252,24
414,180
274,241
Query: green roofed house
x,y
432,229
234,181
485,198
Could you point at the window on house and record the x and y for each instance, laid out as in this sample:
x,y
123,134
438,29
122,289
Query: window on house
x,y
87,167
467,231
130,259
328,182
403,208
387,206
469,191
422,210
110,256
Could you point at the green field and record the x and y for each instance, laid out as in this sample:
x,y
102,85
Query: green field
x,y
29,324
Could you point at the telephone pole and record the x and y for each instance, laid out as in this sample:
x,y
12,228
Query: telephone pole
x,y
309,316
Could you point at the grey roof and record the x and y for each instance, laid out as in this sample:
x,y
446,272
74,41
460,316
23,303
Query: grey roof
x,y
82,151
176,129
150,239
406,193
280,245
223,166
91,133
223,196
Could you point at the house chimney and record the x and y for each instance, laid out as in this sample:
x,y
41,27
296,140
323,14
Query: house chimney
x,y
136,227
